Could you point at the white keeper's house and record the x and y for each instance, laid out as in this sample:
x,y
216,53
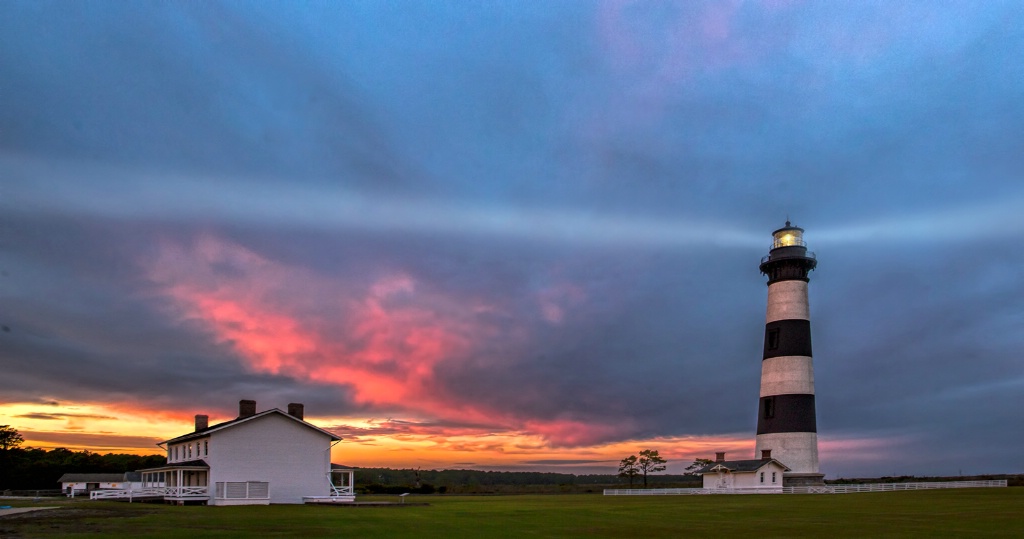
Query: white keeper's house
x,y
256,459
761,474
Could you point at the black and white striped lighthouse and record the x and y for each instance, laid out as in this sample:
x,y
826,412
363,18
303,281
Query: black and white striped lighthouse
x,y
786,425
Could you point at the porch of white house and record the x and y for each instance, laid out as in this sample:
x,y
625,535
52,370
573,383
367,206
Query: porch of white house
x,y
342,482
179,484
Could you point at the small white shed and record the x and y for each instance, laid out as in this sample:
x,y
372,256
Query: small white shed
x,y
77,484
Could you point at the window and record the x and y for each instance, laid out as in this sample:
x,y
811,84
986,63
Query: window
x,y
769,407
773,339
206,447
773,477
189,446
762,477
175,452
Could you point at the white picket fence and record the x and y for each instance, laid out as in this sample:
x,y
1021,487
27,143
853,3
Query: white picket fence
x,y
128,494
821,489
891,487
688,491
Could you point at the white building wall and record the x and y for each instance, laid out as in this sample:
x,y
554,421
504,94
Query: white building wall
x,y
293,458
186,451
746,480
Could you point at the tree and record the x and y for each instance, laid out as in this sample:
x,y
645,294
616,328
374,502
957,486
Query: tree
x,y
628,468
697,464
9,437
650,462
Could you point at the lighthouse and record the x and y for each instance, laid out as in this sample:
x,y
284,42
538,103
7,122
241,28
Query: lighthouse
x,y
786,425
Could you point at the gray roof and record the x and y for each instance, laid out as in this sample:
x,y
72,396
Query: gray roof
x,y
739,466
204,432
93,478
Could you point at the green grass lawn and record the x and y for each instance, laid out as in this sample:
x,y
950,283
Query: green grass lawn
x,y
997,512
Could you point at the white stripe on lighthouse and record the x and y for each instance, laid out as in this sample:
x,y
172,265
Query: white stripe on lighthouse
x,y
787,375
797,450
787,300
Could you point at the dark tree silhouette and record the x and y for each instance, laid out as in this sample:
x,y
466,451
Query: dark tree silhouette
x,y
10,437
628,468
650,462
697,464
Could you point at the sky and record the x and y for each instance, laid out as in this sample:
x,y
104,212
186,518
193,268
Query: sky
x,y
513,235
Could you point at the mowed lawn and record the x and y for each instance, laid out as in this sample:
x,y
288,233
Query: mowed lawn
x,y
997,512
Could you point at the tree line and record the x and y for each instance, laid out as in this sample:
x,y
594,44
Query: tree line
x,y
397,481
31,468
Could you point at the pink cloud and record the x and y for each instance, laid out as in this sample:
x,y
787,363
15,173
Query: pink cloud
x,y
571,433
287,320
383,338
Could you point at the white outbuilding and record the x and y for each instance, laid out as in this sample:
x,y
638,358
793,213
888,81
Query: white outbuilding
x,y
78,484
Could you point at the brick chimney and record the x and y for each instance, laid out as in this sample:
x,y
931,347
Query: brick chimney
x,y
202,421
246,408
295,410
720,456
766,454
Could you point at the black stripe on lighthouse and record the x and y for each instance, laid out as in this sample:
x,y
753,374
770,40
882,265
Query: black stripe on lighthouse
x,y
786,413
787,338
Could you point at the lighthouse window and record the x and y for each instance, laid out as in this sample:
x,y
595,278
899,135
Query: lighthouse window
x,y
769,408
773,339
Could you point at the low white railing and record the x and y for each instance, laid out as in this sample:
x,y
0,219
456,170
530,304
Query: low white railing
x,y
149,492
342,491
892,487
818,489
122,493
186,492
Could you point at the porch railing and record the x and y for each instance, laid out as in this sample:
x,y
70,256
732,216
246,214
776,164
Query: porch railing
x,y
342,491
186,492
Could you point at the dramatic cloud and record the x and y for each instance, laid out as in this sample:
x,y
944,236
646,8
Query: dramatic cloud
x,y
512,236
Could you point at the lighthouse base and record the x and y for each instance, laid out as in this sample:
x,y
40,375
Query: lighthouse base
x,y
803,479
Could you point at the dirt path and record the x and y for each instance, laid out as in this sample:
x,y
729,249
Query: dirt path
x,y
16,510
